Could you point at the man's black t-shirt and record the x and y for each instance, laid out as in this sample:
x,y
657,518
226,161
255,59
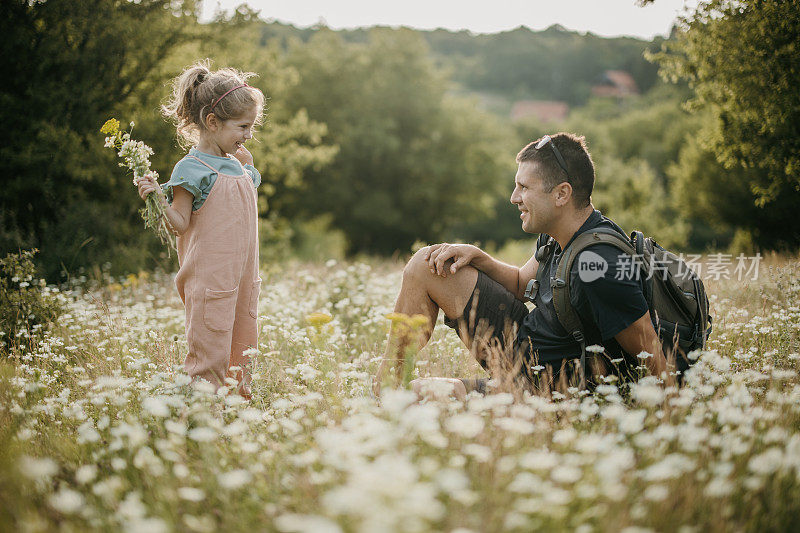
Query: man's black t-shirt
x,y
605,305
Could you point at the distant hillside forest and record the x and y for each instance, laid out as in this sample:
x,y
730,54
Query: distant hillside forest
x,y
553,64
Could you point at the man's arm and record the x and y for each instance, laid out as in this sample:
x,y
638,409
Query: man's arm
x,y
514,279
641,337
617,305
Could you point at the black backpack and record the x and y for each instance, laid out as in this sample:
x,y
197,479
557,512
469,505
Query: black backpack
x,y
675,294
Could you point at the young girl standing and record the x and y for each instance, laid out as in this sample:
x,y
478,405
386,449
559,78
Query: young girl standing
x,y
211,204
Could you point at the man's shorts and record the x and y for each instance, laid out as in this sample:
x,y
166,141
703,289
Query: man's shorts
x,y
492,316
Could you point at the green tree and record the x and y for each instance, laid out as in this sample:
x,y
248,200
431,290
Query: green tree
x,y
289,144
742,58
720,204
631,194
77,64
70,65
413,161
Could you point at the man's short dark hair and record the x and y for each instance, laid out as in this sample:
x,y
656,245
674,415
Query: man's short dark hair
x,y
579,164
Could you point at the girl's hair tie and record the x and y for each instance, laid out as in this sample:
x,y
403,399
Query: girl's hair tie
x,y
226,94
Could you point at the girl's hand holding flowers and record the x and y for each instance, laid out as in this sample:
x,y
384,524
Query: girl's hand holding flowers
x,y
147,185
136,157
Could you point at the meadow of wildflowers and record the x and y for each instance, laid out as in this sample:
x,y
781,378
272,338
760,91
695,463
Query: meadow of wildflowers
x,y
100,428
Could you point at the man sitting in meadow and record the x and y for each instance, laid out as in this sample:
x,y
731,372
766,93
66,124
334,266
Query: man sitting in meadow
x,y
482,298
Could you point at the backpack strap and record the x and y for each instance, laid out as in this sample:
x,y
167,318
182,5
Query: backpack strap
x,y
637,238
639,244
701,336
565,313
544,249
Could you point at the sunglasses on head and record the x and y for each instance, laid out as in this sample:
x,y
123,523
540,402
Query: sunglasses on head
x,y
547,139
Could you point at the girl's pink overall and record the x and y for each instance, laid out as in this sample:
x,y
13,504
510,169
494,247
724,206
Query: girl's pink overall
x,y
218,281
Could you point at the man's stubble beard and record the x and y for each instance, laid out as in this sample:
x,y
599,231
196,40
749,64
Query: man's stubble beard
x,y
532,226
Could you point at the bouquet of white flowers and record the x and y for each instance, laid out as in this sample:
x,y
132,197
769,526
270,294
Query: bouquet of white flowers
x,y
136,157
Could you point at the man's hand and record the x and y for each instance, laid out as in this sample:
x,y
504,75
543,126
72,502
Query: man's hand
x,y
243,155
460,254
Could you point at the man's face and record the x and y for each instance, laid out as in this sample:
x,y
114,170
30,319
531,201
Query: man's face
x,y
535,203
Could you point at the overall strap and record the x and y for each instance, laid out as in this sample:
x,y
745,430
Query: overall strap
x,y
565,313
214,170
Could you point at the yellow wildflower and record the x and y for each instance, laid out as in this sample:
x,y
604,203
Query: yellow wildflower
x,y
397,318
111,127
418,321
414,322
318,319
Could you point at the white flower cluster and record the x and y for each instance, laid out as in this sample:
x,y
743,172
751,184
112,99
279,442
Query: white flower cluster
x,y
116,437
136,155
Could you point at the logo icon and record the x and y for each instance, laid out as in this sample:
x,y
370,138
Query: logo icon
x,y
591,266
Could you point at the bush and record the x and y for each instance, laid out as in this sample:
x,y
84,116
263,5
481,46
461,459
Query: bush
x,y
27,305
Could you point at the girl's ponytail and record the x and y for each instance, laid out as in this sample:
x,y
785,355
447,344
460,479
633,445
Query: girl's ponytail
x,y
184,106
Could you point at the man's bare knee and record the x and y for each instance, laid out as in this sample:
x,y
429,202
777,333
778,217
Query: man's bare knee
x,y
448,293
417,269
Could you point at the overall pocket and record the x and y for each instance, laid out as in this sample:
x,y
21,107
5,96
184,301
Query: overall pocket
x,y
219,309
254,298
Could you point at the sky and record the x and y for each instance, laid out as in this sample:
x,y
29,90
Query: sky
x,y
609,18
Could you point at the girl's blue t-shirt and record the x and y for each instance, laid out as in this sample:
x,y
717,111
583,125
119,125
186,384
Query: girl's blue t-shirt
x,y
198,179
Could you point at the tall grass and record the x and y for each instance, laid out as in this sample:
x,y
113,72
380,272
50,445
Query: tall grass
x,y
101,430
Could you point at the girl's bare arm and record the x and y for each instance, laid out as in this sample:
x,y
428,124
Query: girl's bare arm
x,y
179,213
